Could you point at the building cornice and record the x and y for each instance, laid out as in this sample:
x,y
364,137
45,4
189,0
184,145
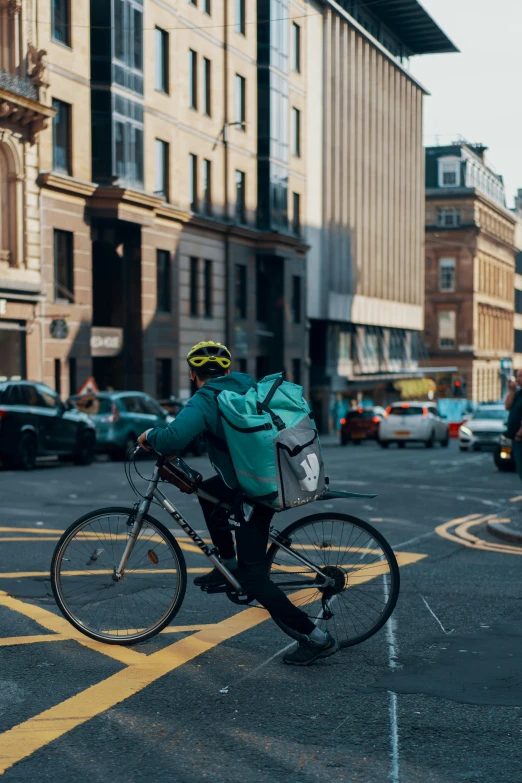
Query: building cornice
x,y
61,182
447,194
377,44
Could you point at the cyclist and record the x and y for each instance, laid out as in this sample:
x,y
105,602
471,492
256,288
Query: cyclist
x,y
209,365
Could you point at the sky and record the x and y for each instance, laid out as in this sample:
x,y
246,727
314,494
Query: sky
x,y
477,94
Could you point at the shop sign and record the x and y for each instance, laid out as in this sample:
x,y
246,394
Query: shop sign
x,y
416,388
59,329
106,341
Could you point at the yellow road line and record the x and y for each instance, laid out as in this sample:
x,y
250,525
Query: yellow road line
x,y
26,738
59,625
36,574
461,535
4,539
516,499
14,641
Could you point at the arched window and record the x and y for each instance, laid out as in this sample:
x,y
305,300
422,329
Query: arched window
x,y
8,202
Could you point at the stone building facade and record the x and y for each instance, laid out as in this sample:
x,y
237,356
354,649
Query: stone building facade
x,y
24,113
365,203
470,269
170,196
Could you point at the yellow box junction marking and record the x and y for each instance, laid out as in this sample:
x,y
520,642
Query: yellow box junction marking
x,y
52,534
26,738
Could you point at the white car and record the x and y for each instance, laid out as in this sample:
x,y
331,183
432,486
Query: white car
x,y
410,422
482,430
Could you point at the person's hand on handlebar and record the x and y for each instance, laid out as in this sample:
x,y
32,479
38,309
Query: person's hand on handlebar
x,y
142,440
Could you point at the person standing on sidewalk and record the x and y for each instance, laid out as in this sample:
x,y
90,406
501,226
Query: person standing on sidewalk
x,y
513,404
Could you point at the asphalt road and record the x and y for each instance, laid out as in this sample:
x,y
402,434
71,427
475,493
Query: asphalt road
x,y
436,696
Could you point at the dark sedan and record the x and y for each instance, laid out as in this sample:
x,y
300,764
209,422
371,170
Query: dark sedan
x,y
34,422
360,424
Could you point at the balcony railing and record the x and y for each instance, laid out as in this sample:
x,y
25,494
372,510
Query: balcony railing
x,y
15,83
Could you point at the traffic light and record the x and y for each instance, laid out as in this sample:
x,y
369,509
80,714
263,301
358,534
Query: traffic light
x,y
459,388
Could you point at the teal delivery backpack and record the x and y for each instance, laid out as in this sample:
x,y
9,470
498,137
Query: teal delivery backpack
x,y
273,443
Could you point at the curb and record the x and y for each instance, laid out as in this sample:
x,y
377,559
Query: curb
x,y
505,532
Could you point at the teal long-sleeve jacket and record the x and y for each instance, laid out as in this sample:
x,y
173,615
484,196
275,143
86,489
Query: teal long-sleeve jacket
x,y
201,416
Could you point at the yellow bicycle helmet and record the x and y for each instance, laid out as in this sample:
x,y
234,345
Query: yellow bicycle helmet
x,y
210,358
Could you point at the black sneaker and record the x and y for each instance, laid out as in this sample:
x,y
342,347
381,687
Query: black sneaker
x,y
214,578
310,651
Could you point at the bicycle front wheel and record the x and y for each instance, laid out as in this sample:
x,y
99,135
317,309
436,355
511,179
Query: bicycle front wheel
x,y
94,600
358,560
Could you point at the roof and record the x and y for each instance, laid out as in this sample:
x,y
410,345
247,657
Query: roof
x,y
412,24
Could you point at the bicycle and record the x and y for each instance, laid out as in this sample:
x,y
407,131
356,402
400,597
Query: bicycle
x,y
119,575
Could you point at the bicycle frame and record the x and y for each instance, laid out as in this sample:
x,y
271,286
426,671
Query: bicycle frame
x,y
211,552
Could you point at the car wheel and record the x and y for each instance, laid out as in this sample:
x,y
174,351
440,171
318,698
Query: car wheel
x,y
85,453
344,440
384,444
431,440
401,444
463,448
25,456
444,443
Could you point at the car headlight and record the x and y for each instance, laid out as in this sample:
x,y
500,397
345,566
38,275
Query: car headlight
x,y
466,431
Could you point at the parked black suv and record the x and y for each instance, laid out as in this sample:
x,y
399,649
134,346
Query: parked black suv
x,y
35,422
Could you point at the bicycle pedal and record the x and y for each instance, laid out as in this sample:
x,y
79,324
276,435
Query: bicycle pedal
x,y
216,589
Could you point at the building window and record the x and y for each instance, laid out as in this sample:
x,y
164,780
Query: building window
x,y
128,142
241,292
241,365
193,182
207,187
163,378
448,217
296,48
262,367
194,287
240,100
58,376
240,17
73,383
193,79
63,266
240,196
296,217
449,172
296,132
161,74
208,288
262,291
207,87
62,137
163,281
446,274
447,328
194,3
161,186
296,299
207,7
61,21
296,371
518,302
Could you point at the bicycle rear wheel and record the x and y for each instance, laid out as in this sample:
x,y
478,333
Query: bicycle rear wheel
x,y
361,564
93,600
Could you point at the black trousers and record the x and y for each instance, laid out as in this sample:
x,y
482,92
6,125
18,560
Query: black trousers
x,y
251,543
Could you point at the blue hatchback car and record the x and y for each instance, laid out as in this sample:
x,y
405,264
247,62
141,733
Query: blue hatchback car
x,y
119,418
